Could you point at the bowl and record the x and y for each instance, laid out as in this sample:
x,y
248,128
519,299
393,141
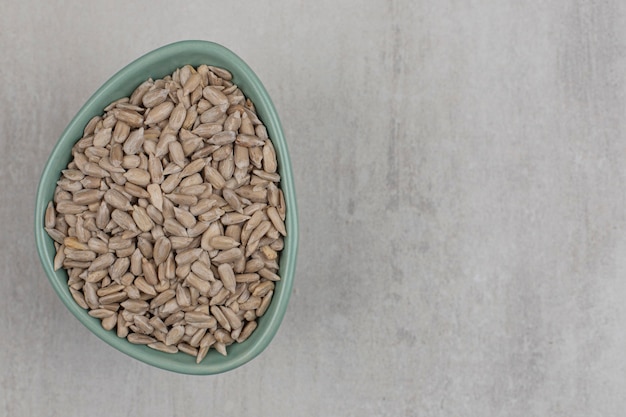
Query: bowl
x,y
157,64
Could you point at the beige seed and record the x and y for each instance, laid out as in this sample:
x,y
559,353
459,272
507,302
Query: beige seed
x,y
117,200
222,138
190,118
73,174
256,156
201,285
113,298
119,242
123,219
141,219
195,189
192,168
73,243
175,335
144,287
158,324
214,177
156,196
202,206
261,177
221,348
102,137
202,354
219,316
50,216
91,125
221,72
188,349
170,182
119,268
269,157
212,115
111,289
254,265
55,234
162,146
96,276
180,242
233,200
177,117
207,341
68,207
251,304
276,220
227,276
223,242
138,176
161,251
188,256
162,298
233,319
140,339
233,122
247,331
198,229
191,83
79,298
137,95
130,117
59,258
102,262
259,232
268,252
154,97
227,256
163,347
136,191
155,168
233,218
263,288
264,304
149,272
215,96
120,132
134,142
207,130
267,274
183,298
247,277
249,141
241,156
101,313
135,306
159,113
223,336
202,270
200,320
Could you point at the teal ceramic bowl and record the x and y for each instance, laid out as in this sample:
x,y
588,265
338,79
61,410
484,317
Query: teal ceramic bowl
x,y
157,64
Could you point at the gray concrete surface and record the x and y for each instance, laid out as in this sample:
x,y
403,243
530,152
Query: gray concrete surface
x,y
460,172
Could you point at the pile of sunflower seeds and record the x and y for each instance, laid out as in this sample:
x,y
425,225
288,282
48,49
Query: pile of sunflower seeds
x,y
170,218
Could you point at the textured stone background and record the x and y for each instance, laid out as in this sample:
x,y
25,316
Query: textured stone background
x,y
460,172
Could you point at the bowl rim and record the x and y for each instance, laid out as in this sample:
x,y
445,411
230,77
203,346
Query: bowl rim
x,y
239,354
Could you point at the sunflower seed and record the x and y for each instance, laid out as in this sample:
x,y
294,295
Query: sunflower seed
x,y
247,331
130,117
207,130
154,97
